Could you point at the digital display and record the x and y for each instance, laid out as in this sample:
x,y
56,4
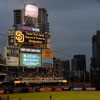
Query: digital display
x,y
47,62
29,39
26,28
30,60
31,10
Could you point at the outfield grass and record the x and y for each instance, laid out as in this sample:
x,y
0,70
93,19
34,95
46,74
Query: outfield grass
x,y
68,95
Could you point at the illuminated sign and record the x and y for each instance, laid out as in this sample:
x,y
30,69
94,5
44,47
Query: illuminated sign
x,y
47,57
30,50
31,10
47,54
30,60
26,28
29,39
19,36
44,46
47,62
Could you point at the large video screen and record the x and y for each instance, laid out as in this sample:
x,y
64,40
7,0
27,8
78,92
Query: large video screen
x,y
30,60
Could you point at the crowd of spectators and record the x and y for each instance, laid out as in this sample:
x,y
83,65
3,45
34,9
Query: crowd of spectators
x,y
29,74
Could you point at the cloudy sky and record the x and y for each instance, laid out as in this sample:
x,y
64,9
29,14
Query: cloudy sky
x,y
72,24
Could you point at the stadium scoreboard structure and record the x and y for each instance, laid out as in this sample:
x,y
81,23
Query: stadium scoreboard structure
x,y
33,47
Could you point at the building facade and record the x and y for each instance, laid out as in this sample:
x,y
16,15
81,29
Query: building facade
x,y
57,67
78,68
66,70
95,60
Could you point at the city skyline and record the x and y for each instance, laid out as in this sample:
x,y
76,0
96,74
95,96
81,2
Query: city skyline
x,y
72,24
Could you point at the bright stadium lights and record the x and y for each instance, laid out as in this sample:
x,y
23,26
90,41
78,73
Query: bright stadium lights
x,y
31,10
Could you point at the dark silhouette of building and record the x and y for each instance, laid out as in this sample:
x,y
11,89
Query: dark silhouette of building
x,y
43,20
57,67
78,68
95,60
66,70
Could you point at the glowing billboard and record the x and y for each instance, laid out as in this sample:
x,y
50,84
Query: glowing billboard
x,y
47,58
27,28
29,39
47,54
30,60
47,62
31,10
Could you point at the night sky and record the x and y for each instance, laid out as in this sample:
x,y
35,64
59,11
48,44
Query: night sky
x,y
72,24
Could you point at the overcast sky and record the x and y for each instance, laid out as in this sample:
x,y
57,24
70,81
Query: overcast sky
x,y
72,24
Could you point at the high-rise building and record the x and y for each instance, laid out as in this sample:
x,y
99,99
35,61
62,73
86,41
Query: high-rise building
x,y
57,67
18,17
96,45
43,20
95,60
78,68
66,70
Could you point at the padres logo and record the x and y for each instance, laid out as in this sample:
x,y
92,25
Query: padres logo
x,y
19,36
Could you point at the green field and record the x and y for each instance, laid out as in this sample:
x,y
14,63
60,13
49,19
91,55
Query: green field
x,y
70,95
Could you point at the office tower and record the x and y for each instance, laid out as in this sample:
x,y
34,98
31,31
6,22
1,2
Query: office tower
x,y
78,68
96,45
95,60
66,69
43,20
57,67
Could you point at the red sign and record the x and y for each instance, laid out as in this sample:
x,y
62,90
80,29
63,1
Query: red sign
x,y
1,91
58,89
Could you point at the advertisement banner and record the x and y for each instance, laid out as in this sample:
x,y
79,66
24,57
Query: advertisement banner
x,y
30,60
45,89
12,61
27,28
77,89
12,56
58,89
47,62
47,58
90,89
47,54
1,91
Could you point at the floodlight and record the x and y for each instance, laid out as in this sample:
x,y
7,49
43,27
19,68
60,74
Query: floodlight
x,y
31,10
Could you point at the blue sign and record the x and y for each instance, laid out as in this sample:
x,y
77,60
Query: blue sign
x,y
31,60
27,28
47,62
